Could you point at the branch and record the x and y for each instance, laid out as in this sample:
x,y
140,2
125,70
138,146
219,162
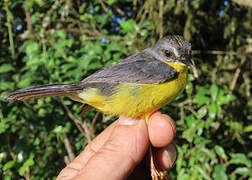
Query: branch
x,y
47,20
119,11
9,26
64,13
28,17
68,147
66,160
237,74
71,116
106,118
134,5
87,131
92,129
247,3
160,17
192,111
81,126
12,154
29,106
95,118
103,6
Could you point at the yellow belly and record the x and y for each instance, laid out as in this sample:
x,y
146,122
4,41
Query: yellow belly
x,y
137,100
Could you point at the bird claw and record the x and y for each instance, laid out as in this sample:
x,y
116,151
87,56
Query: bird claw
x,y
158,174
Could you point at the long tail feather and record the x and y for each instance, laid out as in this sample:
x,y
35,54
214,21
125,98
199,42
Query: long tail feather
x,y
43,91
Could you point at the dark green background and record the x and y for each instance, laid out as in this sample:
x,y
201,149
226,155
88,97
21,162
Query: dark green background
x,y
65,41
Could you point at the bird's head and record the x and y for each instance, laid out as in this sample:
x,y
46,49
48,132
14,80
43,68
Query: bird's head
x,y
174,49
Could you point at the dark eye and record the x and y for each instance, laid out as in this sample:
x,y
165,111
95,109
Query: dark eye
x,y
167,53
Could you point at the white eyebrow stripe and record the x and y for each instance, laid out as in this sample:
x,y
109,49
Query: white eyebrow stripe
x,y
175,51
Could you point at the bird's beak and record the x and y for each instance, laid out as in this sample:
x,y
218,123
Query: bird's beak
x,y
187,61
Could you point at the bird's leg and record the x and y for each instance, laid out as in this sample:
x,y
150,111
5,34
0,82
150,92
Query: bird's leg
x,y
156,172
85,109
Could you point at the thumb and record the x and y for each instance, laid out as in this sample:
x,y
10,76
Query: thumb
x,y
120,154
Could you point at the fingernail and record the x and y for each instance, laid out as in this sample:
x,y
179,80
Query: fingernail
x,y
127,121
171,153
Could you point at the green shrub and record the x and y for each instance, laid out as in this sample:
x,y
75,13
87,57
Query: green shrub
x,y
65,41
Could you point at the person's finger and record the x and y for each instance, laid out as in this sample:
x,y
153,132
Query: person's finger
x,y
73,168
162,129
124,149
96,144
166,157
79,162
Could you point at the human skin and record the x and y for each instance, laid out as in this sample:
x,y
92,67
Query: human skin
x,y
117,152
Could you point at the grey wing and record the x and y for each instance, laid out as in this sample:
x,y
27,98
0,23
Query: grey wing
x,y
140,68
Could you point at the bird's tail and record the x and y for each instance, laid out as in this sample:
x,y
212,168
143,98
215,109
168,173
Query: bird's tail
x,y
44,91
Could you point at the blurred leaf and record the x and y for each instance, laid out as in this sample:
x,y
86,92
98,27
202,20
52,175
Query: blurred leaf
x,y
101,19
202,91
239,158
214,92
61,34
213,110
250,154
94,65
200,99
179,159
195,4
202,112
191,121
8,165
226,99
201,140
70,40
203,172
25,82
243,171
32,48
210,155
188,135
248,128
189,88
220,151
58,129
128,26
111,1
27,163
220,172
41,112
4,85
5,68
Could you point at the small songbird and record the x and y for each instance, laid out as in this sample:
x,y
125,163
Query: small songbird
x,y
135,87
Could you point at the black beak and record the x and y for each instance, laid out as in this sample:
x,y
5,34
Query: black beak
x,y
187,61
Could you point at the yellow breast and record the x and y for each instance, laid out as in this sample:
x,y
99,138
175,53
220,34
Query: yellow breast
x,y
137,100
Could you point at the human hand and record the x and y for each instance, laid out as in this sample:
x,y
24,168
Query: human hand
x,y
116,152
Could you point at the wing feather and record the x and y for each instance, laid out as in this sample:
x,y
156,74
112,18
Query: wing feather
x,y
141,68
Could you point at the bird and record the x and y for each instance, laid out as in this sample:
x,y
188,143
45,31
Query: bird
x,y
135,87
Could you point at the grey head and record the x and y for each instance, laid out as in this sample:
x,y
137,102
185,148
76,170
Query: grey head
x,y
172,49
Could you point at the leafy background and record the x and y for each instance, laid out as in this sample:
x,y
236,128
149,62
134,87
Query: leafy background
x,y
65,41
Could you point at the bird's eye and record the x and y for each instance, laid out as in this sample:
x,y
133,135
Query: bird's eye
x,y
167,53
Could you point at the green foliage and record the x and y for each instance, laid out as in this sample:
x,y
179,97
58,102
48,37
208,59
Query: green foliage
x,y
65,41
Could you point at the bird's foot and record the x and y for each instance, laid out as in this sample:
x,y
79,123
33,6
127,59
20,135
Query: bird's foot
x,y
156,172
